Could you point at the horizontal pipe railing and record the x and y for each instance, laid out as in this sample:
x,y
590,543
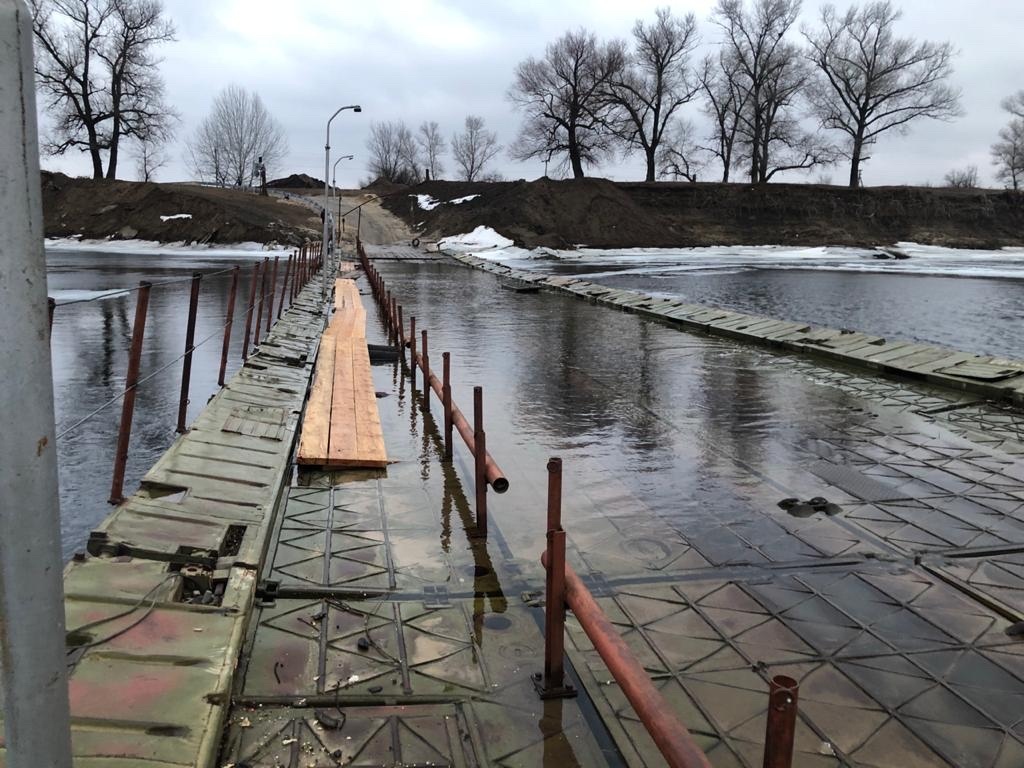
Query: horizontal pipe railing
x,y
391,312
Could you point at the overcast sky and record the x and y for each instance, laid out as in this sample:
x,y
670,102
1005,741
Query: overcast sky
x,y
418,60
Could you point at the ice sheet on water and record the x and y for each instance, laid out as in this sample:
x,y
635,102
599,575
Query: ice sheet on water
x,y
481,238
176,216
923,260
240,250
63,296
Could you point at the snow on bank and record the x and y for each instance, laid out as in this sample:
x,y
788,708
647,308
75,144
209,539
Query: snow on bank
x,y
143,247
428,203
596,263
176,216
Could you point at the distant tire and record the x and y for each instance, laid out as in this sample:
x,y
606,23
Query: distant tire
x,y
415,242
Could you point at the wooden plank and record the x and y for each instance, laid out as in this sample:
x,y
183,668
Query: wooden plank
x,y
316,426
357,439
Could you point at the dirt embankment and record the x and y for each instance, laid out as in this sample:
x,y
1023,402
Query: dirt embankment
x,y
607,214
128,210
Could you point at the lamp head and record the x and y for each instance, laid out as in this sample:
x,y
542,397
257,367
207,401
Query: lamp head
x,y
357,108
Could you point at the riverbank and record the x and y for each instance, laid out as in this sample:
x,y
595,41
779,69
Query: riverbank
x,y
171,213
605,214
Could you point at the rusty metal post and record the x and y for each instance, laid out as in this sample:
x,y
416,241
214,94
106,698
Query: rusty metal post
x,y
51,304
389,321
781,728
270,294
401,331
480,461
284,285
551,684
426,373
190,338
412,350
262,300
131,379
446,400
248,312
228,320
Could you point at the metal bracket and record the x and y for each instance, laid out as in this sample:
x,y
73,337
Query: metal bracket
x,y
545,691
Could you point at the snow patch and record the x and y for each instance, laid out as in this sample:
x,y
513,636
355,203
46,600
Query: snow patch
x,y
173,216
479,239
426,202
461,200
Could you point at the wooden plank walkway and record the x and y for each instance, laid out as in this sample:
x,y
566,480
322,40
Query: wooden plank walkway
x,y
342,425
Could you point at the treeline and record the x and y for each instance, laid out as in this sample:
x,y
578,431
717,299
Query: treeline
x,y
775,100
398,155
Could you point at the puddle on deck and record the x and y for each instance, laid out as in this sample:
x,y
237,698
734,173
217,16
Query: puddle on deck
x,y
399,637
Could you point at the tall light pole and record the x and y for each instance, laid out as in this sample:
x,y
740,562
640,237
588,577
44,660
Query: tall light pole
x,y
334,181
33,672
328,255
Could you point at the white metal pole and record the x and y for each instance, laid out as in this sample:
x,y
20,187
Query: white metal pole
x,y
34,676
326,255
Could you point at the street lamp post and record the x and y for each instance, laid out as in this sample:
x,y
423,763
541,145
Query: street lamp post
x,y
328,255
334,182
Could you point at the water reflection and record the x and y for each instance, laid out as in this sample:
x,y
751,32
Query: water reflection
x,y
89,348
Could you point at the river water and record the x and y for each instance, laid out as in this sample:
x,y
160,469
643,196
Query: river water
x,y
968,300
90,345
91,339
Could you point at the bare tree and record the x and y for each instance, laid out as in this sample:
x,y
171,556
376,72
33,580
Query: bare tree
x,y
229,142
474,148
724,103
963,178
150,157
432,146
770,74
394,154
1015,104
1008,152
678,154
870,81
564,98
98,76
654,84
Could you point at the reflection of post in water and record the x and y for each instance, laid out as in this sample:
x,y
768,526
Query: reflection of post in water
x,y
557,751
486,586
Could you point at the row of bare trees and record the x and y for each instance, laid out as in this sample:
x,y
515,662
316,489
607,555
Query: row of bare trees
x,y
586,99
398,155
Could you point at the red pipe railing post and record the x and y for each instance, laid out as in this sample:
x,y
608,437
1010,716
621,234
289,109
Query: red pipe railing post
x,y
446,399
271,292
480,463
780,730
51,304
425,356
262,300
670,735
248,312
284,285
401,332
228,320
186,363
412,350
393,309
389,320
551,684
131,379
